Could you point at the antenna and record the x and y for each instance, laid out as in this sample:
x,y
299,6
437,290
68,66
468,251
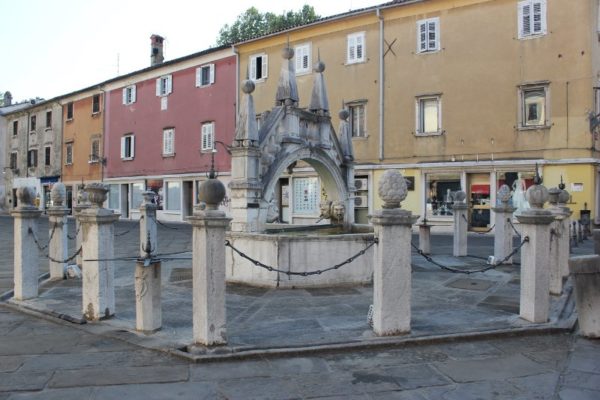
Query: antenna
x,y
118,55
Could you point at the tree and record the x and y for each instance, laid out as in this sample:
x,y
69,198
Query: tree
x,y
253,23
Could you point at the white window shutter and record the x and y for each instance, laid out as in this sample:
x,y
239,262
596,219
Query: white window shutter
x,y
211,136
524,15
265,65
422,36
298,59
158,84
169,84
437,34
133,89
542,11
212,74
132,146
198,76
360,47
122,147
124,95
165,134
351,49
253,68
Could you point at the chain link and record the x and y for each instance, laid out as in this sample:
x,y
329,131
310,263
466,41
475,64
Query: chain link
x,y
122,233
164,225
486,231
76,233
42,248
468,272
308,273
513,227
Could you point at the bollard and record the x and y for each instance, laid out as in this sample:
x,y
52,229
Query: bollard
x,y
563,229
392,258
425,238
26,251
503,234
460,224
586,276
57,218
535,275
208,274
82,204
596,234
97,226
148,309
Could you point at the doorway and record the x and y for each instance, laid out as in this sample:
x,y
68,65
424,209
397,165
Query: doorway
x,y
188,198
478,195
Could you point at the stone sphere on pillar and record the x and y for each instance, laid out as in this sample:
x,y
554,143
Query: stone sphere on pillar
x,y
248,86
58,195
211,192
459,196
287,53
537,195
26,196
392,188
344,114
563,197
553,194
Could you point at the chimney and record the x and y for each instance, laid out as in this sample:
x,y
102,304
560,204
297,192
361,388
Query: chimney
x,y
156,50
7,98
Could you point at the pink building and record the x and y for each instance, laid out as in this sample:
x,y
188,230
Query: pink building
x,y
162,125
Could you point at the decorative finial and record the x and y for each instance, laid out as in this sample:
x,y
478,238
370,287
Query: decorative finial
x,y
392,188
537,179
148,247
561,185
212,174
287,53
248,86
344,114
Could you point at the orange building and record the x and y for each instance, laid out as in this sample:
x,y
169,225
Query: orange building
x,y
83,123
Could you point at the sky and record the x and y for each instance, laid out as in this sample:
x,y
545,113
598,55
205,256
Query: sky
x,y
53,47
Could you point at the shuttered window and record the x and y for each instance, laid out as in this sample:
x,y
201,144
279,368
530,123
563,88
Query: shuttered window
x,y
302,54
532,18
129,95
127,147
428,35
168,142
356,48
208,136
205,75
164,85
259,67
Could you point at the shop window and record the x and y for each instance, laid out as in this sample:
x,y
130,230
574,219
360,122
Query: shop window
x,y
173,196
518,182
156,185
136,194
114,197
440,193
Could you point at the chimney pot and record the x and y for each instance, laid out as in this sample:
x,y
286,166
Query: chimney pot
x,y
156,50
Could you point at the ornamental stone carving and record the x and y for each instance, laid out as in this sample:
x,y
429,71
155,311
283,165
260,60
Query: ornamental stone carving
x,y
537,195
97,193
58,195
504,195
211,192
26,196
459,196
392,189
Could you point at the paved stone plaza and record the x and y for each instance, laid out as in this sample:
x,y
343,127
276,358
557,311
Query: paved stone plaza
x,y
335,354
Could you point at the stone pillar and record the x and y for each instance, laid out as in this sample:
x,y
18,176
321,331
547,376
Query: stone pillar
x,y
596,234
82,204
208,275
147,224
425,238
392,258
148,308
461,224
97,225
564,246
559,241
58,246
535,273
503,232
26,252
586,278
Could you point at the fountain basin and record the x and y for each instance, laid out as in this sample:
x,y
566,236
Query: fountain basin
x,y
299,252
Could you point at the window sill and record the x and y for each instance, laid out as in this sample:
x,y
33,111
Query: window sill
x,y
429,51
533,128
127,159
68,164
203,86
261,80
128,104
427,134
360,137
349,63
32,132
95,114
532,36
69,120
301,73
168,155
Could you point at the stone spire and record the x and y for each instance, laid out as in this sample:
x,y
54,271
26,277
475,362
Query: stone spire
x,y
246,130
287,90
318,99
346,136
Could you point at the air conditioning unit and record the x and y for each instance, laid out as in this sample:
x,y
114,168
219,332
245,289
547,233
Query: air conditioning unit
x,y
361,184
361,201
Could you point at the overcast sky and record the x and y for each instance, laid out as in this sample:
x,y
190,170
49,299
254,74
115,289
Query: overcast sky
x,y
53,47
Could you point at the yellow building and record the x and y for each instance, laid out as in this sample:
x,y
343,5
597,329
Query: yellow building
x,y
457,94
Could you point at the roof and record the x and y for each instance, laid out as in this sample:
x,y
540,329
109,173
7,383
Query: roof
x,y
16,107
346,14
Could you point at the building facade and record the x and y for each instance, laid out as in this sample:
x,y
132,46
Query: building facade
x,y
162,125
461,94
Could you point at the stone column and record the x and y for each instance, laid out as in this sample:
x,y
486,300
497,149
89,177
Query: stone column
x,y
82,204
208,275
392,258
503,232
425,238
57,218
559,242
148,308
596,235
586,280
461,223
26,252
97,225
564,246
535,273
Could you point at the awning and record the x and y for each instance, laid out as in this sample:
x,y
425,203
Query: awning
x,y
480,189
49,179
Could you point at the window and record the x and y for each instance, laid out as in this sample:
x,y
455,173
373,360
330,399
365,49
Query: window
x,y
69,111
47,155
96,104
128,147
95,151
48,119
168,142
356,48
33,121
357,120
173,196
208,136
428,35
13,160
429,115
533,110
532,18
32,158
302,53
114,197
258,67
69,154
15,128
164,85
205,75
440,188
136,194
129,95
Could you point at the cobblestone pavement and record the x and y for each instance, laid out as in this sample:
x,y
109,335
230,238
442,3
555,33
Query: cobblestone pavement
x,y
48,359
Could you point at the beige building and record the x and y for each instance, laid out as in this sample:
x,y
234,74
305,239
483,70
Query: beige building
x,y
457,94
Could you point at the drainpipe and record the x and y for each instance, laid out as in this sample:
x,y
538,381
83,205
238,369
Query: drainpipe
x,y
27,146
237,82
381,86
